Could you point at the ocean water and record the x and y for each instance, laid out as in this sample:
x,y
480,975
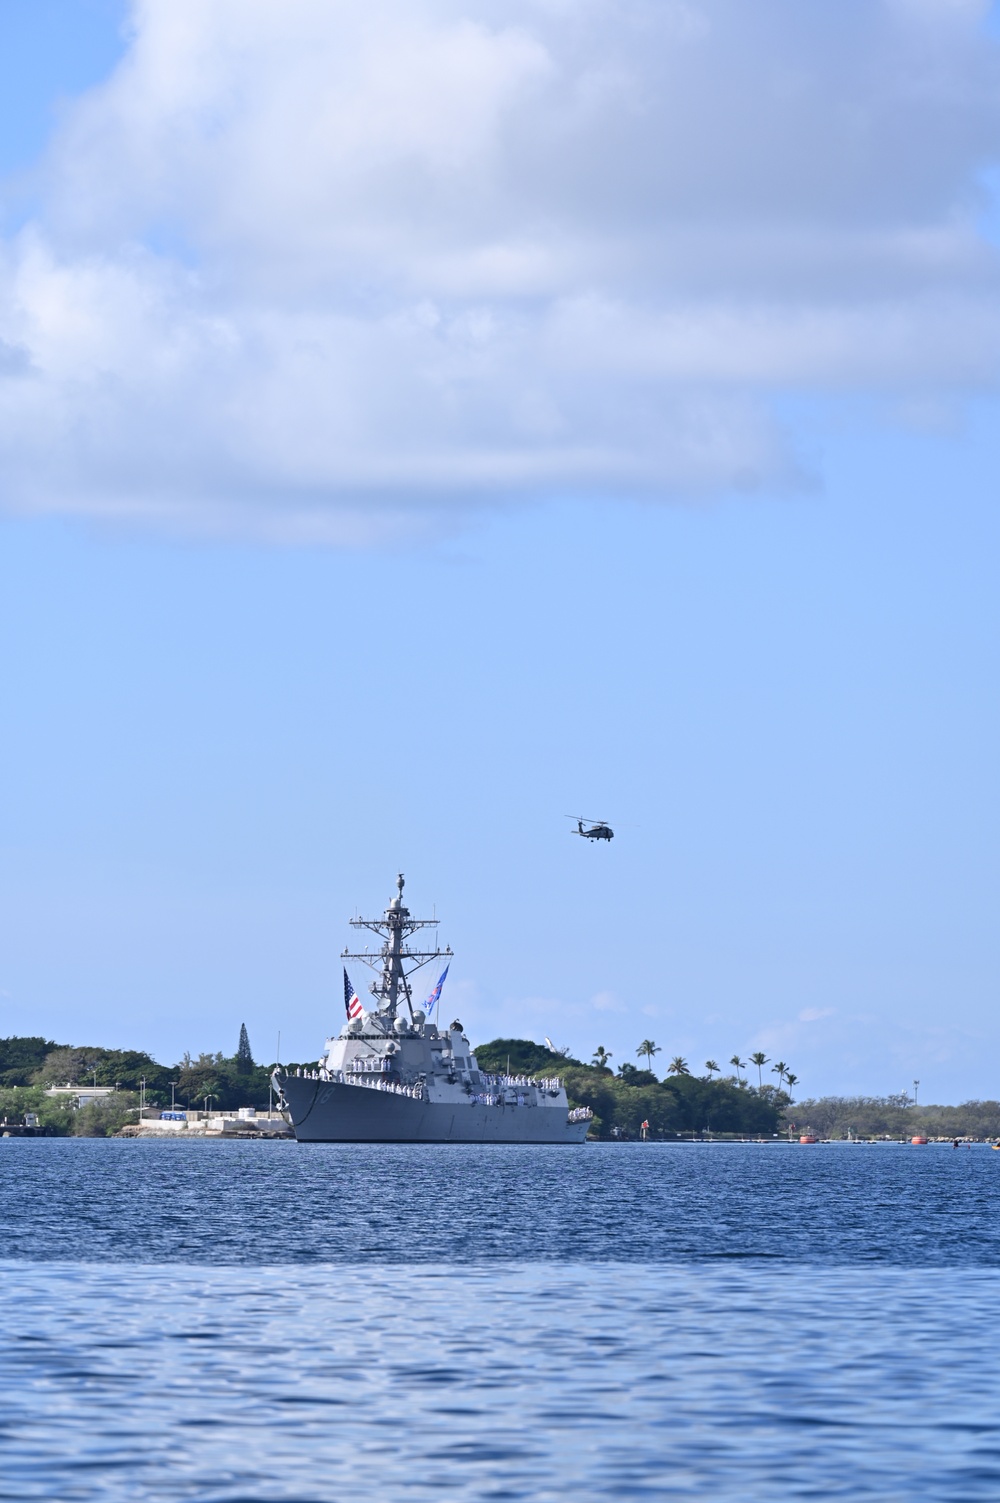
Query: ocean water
x,y
241,1322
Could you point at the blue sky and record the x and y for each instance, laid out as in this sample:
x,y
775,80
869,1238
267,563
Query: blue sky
x,y
53,50
741,603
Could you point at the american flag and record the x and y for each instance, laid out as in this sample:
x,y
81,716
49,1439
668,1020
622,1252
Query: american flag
x,y
352,1002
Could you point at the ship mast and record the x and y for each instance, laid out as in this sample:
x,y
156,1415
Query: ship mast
x,y
393,960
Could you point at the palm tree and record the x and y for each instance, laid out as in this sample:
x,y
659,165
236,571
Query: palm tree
x,y
711,1067
678,1066
740,1064
790,1080
779,1070
648,1048
760,1060
601,1057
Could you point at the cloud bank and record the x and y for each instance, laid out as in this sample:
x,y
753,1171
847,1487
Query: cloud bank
x,y
330,270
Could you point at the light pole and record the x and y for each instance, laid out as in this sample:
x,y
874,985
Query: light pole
x,y
173,1095
916,1088
142,1097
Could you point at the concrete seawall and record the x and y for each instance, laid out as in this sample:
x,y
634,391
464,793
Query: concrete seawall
x,y
187,1125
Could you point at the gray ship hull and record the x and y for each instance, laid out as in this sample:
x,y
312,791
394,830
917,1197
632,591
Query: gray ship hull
x,y
325,1111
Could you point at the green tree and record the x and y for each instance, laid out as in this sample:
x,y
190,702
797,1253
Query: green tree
x,y
648,1048
601,1057
67,1066
790,1081
678,1066
244,1056
101,1119
760,1060
636,1077
127,1068
624,1102
21,1057
679,1105
54,1113
722,1104
711,1067
779,1070
739,1064
526,1058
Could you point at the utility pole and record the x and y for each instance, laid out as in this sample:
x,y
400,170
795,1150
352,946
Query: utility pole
x,y
916,1088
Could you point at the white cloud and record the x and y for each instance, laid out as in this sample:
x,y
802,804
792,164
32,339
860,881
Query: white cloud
x,y
312,270
607,1002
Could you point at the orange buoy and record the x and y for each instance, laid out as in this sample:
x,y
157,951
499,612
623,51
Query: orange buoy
x,y
807,1137
919,1138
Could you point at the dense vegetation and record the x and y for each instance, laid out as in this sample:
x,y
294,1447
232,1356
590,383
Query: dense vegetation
x,y
896,1116
20,1058
29,1065
680,1105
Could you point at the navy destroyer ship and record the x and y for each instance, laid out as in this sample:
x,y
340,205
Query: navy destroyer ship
x,y
392,1075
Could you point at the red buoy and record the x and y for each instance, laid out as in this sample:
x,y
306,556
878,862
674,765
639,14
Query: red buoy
x,y
807,1137
918,1138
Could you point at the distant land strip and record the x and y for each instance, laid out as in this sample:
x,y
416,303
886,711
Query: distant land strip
x,y
627,1104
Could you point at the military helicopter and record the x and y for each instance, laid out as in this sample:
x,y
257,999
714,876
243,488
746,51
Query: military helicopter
x,y
598,829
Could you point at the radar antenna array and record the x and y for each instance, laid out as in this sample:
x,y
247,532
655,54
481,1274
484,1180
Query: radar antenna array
x,y
395,961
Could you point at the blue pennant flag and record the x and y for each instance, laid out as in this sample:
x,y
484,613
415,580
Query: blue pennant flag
x,y
435,995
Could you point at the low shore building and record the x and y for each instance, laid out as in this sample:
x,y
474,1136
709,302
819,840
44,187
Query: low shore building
x,y
245,1122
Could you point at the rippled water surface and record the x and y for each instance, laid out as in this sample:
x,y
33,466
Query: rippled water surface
x,y
278,1202
263,1321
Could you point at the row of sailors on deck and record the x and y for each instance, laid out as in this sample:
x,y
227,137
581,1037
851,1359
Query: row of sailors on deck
x,y
356,1066
548,1083
415,1092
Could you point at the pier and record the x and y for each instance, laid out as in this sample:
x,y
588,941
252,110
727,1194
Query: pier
x,y
156,1122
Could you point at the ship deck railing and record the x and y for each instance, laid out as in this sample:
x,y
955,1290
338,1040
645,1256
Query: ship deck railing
x,y
513,1082
415,1092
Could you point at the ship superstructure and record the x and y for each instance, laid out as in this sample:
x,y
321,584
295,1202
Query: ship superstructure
x,y
393,1075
